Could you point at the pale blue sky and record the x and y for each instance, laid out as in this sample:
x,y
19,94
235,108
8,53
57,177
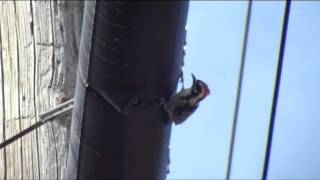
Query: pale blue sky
x,y
199,147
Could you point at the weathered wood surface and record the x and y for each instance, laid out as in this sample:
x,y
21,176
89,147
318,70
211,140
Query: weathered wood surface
x,y
39,43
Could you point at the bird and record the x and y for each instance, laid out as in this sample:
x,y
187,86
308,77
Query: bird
x,y
186,101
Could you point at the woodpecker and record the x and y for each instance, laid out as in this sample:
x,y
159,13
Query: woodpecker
x,y
186,101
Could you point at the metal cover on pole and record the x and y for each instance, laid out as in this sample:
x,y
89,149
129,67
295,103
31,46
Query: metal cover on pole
x,y
131,54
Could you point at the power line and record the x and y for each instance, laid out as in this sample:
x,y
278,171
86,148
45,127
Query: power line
x,y
276,89
238,97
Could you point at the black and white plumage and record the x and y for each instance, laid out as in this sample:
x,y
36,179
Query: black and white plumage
x,y
185,102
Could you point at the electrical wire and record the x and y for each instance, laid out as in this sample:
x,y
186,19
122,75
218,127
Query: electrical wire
x,y
238,97
276,89
57,111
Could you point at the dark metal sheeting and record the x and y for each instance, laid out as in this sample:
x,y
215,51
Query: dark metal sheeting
x,y
131,54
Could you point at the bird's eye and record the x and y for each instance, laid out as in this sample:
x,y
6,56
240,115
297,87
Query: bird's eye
x,y
201,87
195,90
197,87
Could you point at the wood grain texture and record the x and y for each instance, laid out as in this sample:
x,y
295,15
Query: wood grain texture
x,y
39,45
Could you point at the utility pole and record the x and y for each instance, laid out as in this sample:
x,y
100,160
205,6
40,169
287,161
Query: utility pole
x,y
131,54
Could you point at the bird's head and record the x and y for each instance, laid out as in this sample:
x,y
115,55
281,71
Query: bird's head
x,y
199,88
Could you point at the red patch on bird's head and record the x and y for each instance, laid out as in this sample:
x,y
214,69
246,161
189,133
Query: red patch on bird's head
x,y
206,90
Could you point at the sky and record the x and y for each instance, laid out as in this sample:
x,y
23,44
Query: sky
x,y
199,147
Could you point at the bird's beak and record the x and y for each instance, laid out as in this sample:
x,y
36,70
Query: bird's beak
x,y
193,78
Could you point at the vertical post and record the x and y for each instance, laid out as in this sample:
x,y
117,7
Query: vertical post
x,y
131,54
